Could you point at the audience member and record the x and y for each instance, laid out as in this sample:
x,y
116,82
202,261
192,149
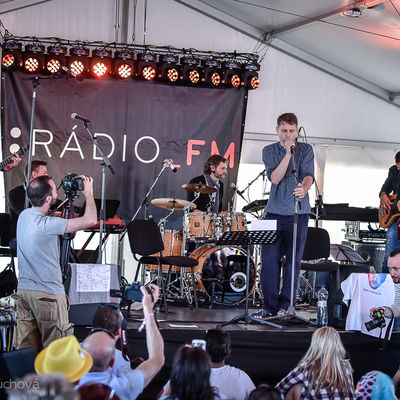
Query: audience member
x,y
43,387
264,392
190,376
127,383
97,391
323,372
234,383
109,318
65,356
375,385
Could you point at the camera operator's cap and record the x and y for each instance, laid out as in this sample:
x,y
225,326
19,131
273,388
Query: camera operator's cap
x,y
64,355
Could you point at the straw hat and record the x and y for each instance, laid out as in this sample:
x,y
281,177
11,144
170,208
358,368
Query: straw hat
x,y
64,355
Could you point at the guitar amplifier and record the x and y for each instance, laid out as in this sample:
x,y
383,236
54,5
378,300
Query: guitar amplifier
x,y
354,233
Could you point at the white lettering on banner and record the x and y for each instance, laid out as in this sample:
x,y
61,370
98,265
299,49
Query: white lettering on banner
x,y
124,149
157,149
78,148
95,156
45,144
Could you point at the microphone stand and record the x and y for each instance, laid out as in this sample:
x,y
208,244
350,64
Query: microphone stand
x,y
144,201
240,192
106,163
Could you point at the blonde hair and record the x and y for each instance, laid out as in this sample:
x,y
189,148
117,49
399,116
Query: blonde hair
x,y
326,366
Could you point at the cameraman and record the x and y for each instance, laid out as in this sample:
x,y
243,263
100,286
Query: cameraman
x,y
42,305
394,270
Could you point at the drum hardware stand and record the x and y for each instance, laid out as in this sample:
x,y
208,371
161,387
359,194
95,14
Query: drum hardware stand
x,y
145,202
247,238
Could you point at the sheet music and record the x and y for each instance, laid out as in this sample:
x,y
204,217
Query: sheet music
x,y
93,278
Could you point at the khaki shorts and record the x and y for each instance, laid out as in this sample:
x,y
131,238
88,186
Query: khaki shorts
x,y
42,318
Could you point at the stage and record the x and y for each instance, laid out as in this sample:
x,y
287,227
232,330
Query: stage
x,y
264,352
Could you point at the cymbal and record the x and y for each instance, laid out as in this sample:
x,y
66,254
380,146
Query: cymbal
x,y
169,204
199,187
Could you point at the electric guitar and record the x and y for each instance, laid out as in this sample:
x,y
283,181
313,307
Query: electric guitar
x,y
388,215
9,160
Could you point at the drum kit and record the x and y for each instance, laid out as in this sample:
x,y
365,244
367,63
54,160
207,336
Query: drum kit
x,y
221,271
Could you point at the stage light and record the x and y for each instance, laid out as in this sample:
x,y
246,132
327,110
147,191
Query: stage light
x,y
33,58
78,62
250,78
124,65
55,58
11,56
100,64
147,66
233,74
191,73
212,73
169,68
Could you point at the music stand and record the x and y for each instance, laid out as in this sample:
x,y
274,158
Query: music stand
x,y
247,238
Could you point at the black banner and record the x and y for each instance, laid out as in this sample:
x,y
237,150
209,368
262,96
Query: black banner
x,y
138,124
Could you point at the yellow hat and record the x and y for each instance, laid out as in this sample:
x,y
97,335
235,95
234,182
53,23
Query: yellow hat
x,y
64,355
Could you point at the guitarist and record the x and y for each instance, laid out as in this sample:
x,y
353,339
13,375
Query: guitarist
x,y
391,185
15,160
16,198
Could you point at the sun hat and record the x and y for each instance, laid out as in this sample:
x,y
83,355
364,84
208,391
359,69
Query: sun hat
x,y
64,355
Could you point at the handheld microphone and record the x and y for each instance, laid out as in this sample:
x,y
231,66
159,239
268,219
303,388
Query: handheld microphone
x,y
292,147
80,118
169,164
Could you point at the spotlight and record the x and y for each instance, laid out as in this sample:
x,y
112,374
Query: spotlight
x,y
250,78
100,64
11,56
78,61
212,72
191,73
169,68
55,59
124,65
147,66
33,58
233,73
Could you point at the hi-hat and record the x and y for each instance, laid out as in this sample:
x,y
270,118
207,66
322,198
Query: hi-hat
x,y
199,187
169,204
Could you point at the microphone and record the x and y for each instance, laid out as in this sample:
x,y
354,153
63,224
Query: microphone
x,y
169,164
76,116
292,148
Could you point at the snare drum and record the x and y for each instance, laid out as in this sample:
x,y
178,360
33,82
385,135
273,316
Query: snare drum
x,y
234,222
173,241
200,226
222,270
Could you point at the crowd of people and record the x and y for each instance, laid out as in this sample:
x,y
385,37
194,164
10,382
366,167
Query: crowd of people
x,y
95,369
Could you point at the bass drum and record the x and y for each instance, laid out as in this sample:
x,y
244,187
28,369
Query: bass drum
x,y
221,272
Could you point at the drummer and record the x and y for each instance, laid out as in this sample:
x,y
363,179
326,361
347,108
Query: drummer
x,y
214,169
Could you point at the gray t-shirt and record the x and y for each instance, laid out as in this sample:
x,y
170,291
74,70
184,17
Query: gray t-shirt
x,y
39,251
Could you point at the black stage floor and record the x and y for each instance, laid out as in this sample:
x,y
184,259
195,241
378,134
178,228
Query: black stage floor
x,y
267,354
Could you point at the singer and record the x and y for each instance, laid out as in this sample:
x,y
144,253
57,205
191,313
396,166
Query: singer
x,y
284,160
214,169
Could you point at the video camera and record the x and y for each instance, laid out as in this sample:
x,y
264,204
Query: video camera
x,y
131,292
71,183
377,321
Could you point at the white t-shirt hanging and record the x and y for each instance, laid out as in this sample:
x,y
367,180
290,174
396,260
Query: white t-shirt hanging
x,y
365,292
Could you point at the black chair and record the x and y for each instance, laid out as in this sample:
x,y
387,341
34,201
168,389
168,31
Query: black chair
x,y
145,240
317,250
5,250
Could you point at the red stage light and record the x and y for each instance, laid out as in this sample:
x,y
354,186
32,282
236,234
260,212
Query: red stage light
x,y
99,69
124,71
148,72
254,82
172,74
194,76
8,60
31,64
53,66
235,80
215,78
77,67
